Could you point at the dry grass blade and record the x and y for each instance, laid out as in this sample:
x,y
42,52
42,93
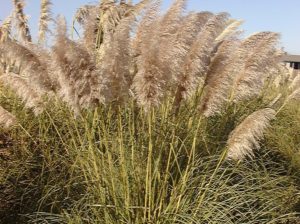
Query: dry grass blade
x,y
275,100
246,136
6,118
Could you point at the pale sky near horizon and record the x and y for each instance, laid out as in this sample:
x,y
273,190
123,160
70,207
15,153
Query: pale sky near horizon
x,y
281,16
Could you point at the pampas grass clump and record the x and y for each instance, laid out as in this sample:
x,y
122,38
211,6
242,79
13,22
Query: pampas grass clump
x,y
134,119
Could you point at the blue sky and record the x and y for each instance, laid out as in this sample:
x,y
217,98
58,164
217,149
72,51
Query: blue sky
x,y
281,16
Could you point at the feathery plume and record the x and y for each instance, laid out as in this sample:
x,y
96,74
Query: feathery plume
x,y
22,20
224,52
137,8
88,17
282,76
45,17
145,28
218,79
170,21
295,83
6,118
5,29
29,65
83,12
149,79
243,75
100,23
167,28
76,71
231,29
164,35
111,15
30,97
116,63
250,79
246,136
196,62
187,32
295,95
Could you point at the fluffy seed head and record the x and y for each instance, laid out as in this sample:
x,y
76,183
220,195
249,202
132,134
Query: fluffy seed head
x,y
246,136
22,22
45,17
7,119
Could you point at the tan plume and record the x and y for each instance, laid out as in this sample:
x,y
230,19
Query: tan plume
x,y
295,82
32,99
197,60
76,71
246,136
250,79
29,64
22,22
115,64
83,13
295,95
149,79
5,29
231,29
218,79
6,118
45,17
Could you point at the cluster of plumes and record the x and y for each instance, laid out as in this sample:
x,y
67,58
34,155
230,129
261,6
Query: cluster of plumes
x,y
135,51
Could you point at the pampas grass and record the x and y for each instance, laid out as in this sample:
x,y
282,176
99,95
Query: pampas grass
x,y
156,96
246,136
